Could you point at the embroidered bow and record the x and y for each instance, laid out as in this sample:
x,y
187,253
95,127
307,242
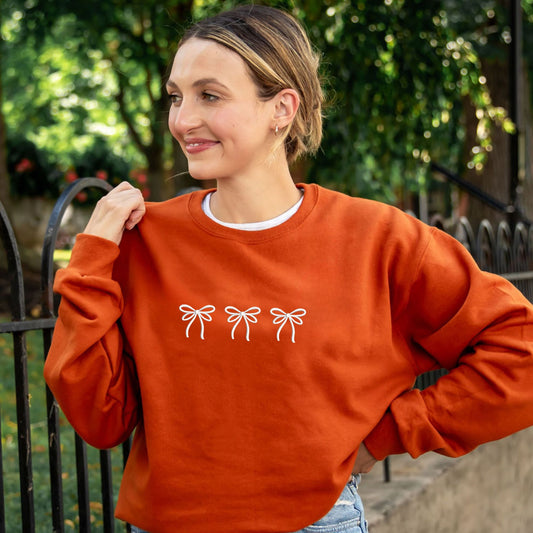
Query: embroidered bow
x,y
248,316
294,317
190,314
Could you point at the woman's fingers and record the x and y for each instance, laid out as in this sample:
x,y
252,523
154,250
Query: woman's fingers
x,y
364,461
122,208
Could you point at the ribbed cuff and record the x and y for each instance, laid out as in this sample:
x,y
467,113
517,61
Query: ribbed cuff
x,y
93,256
384,439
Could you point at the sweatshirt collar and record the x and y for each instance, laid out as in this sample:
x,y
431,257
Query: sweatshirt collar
x,y
210,226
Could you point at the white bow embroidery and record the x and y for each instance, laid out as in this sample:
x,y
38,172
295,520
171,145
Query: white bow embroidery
x,y
190,314
248,316
294,317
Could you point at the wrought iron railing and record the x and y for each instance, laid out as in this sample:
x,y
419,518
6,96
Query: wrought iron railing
x,y
18,327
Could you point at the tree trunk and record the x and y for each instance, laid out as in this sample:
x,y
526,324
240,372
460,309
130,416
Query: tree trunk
x,y
156,179
525,198
4,176
495,178
155,152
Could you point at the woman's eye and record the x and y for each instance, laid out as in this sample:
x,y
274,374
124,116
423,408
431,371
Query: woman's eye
x,y
209,97
175,99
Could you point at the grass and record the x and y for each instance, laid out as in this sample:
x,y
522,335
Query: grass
x,y
39,439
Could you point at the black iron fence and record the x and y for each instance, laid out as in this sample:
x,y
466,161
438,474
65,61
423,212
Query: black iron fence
x,y
501,250
53,518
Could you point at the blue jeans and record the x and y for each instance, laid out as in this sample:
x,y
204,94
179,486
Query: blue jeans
x,y
346,516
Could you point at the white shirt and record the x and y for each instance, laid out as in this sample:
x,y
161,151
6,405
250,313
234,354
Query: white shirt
x,y
252,226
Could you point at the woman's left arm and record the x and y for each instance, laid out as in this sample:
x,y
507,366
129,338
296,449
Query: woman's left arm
x,y
480,328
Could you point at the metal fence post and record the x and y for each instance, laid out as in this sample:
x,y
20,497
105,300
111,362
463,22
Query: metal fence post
x,y
21,373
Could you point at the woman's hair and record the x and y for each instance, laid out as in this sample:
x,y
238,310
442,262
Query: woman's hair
x,y
279,56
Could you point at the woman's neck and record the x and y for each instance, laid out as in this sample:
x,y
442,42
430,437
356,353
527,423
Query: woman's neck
x,y
254,199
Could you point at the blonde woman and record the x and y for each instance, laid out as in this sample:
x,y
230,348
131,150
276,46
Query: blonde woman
x,y
263,338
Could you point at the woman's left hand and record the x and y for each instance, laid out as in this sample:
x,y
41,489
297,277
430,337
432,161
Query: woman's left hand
x,y
364,461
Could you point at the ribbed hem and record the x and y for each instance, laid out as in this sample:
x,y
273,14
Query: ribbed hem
x,y
92,255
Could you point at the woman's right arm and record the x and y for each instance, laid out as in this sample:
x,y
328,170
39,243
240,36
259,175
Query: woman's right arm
x,y
87,368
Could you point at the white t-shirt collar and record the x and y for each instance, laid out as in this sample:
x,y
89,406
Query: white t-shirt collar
x,y
252,226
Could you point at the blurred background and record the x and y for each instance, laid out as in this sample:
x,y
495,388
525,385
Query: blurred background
x,y
412,85
428,100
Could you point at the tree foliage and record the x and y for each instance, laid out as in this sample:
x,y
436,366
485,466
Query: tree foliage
x,y
97,68
397,74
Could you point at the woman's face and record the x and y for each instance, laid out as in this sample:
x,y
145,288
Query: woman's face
x,y
215,114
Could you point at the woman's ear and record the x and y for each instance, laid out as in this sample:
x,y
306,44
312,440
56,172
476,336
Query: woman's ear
x,y
286,106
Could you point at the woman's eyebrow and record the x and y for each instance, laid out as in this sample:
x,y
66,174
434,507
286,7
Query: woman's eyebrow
x,y
205,81
170,84
202,81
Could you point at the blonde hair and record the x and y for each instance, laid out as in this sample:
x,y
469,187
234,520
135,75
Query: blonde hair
x,y
279,56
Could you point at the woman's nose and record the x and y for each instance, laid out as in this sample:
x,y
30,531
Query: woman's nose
x,y
184,118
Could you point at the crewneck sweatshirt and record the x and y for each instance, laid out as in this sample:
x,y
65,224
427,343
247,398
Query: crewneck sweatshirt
x,y
253,364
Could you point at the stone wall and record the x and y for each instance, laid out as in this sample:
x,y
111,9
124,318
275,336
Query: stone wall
x,y
488,491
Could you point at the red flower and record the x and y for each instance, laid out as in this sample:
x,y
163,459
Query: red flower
x,y
102,174
71,176
81,197
23,165
141,178
145,193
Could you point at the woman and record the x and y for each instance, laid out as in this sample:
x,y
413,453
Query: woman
x,y
263,338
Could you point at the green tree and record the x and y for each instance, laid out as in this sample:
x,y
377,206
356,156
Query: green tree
x,y
105,60
398,76
401,71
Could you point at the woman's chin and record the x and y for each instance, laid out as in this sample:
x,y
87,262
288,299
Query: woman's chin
x,y
201,174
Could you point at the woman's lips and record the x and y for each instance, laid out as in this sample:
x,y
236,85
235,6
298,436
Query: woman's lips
x,y
195,146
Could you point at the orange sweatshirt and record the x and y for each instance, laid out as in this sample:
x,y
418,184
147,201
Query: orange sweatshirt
x,y
253,364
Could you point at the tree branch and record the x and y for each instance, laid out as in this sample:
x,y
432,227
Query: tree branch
x,y
120,98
